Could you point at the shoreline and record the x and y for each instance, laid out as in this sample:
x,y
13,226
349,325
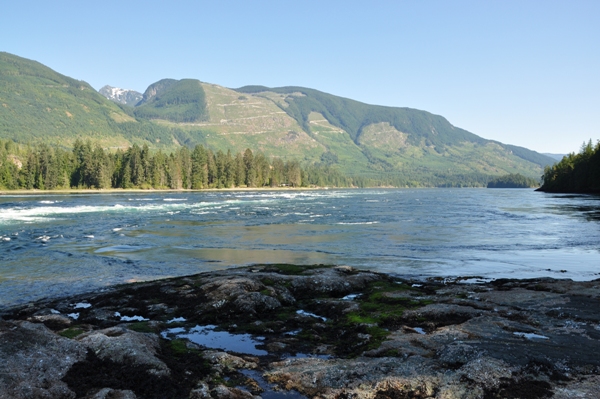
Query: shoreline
x,y
139,190
328,332
153,190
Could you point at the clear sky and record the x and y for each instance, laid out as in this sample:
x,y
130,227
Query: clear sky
x,y
520,72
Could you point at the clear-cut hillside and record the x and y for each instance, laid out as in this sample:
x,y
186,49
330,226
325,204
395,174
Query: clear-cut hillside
x,y
235,121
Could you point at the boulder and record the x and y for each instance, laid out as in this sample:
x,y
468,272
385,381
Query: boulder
x,y
34,360
122,345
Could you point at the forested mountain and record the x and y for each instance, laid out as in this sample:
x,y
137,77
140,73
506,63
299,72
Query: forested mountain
x,y
376,144
575,173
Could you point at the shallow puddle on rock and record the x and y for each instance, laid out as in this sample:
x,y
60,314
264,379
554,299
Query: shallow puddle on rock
x,y
305,313
208,337
307,355
530,335
130,318
269,392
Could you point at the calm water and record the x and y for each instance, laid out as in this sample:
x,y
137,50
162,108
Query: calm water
x,y
52,245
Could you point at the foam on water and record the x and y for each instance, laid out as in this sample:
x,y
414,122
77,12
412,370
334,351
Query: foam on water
x,y
121,248
356,223
45,213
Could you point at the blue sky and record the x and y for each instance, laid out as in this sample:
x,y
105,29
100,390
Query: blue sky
x,y
520,72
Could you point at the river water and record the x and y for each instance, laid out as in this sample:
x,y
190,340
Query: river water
x,y
54,245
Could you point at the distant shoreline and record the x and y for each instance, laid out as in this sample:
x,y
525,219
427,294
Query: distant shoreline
x,y
154,190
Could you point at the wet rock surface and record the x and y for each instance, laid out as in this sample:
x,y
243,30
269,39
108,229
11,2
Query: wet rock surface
x,y
285,331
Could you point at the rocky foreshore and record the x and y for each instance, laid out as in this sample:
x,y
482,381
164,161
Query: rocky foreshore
x,y
319,332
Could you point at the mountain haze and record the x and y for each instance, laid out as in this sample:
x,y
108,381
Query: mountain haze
x,y
387,145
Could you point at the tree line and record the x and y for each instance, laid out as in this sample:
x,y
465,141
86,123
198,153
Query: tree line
x,y
515,180
89,166
575,173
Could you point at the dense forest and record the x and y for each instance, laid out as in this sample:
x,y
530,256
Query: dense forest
x,y
575,173
89,166
515,180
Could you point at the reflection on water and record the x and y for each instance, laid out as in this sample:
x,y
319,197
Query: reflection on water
x,y
60,244
208,337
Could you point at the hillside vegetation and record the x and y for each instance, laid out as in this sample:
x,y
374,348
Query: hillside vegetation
x,y
372,145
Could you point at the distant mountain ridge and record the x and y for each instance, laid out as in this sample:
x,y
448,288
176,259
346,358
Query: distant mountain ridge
x,y
388,145
121,96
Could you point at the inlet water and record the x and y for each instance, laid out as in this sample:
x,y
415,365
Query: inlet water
x,y
54,245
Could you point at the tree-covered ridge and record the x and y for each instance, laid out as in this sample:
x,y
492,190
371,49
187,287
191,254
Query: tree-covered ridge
x,y
513,181
89,166
575,173
180,101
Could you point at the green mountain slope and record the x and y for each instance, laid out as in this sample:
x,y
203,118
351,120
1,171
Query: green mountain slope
x,y
377,144
38,104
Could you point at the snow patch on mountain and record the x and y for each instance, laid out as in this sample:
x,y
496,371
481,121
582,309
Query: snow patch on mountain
x,y
123,96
